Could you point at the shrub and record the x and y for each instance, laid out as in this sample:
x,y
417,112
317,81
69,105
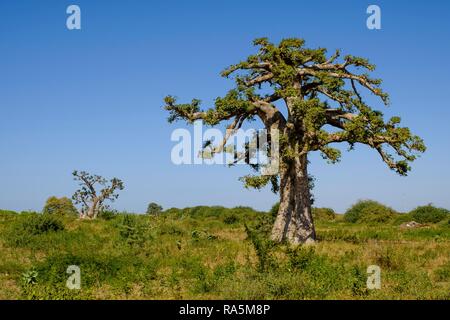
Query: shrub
x,y
429,214
402,218
29,277
171,228
48,278
7,215
108,214
37,224
324,214
230,218
300,257
274,210
263,249
30,225
132,230
369,211
204,211
59,206
154,209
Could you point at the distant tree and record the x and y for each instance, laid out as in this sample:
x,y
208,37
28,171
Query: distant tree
x,y
154,209
92,200
313,102
429,214
59,206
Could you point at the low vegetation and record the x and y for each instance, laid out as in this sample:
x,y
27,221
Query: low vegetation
x,y
369,211
59,206
429,214
222,253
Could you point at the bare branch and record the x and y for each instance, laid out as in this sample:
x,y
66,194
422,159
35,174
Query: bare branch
x,y
259,80
231,129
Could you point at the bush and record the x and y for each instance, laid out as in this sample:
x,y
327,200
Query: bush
x,y
108,214
429,214
30,225
230,218
59,206
324,214
7,215
132,230
402,218
154,209
300,257
37,224
171,228
263,249
274,210
204,211
369,211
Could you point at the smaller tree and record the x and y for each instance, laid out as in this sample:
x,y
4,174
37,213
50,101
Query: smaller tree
x,y
154,209
93,201
59,206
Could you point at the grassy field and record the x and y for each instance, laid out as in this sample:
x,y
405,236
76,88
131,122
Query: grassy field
x,y
217,253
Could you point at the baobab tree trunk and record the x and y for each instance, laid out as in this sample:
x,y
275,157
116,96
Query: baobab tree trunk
x,y
294,222
93,209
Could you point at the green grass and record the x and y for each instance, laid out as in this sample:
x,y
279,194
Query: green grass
x,y
218,253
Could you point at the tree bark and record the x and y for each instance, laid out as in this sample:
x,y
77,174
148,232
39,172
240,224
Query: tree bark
x,y
294,222
93,209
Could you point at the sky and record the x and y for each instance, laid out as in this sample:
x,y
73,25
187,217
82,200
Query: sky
x,y
91,99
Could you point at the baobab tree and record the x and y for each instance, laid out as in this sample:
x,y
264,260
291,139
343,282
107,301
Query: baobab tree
x,y
315,101
91,199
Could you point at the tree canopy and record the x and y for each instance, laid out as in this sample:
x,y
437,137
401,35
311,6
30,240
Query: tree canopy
x,y
323,100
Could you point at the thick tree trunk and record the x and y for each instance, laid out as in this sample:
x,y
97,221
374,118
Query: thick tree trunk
x,y
93,209
294,222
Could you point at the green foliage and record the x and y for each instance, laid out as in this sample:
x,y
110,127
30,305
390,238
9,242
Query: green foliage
x,y
171,229
231,218
300,257
443,273
359,285
60,207
182,256
323,214
8,215
154,209
429,214
388,258
37,224
274,210
213,211
108,214
257,182
369,211
402,218
31,225
198,235
132,229
263,248
303,78
7,212
29,277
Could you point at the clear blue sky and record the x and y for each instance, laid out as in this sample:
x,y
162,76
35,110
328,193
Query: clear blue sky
x,y
91,99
